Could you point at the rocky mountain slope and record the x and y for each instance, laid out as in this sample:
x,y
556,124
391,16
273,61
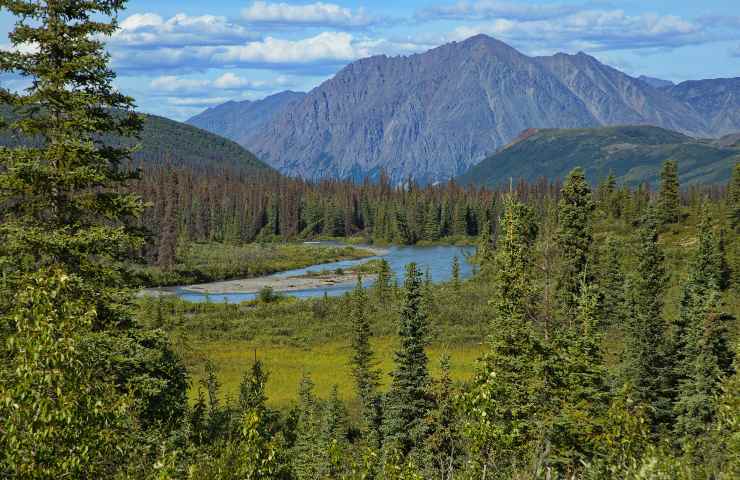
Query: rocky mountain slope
x,y
433,115
238,121
633,154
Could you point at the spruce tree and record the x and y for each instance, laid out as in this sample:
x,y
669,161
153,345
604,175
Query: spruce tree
x,y
306,454
733,199
611,282
644,365
669,196
505,404
574,239
364,365
455,273
443,450
407,401
701,353
66,229
431,224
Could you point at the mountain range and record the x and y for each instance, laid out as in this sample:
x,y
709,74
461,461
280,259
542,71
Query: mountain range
x,y
432,116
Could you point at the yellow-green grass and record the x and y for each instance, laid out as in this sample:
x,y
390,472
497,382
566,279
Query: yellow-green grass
x,y
327,364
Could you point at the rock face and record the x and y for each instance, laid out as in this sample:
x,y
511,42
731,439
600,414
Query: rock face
x,y
656,82
717,102
239,121
432,116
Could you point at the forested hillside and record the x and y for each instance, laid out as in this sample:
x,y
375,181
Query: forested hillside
x,y
633,154
166,142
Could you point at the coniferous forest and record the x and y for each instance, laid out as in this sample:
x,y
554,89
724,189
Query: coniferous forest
x,y
596,339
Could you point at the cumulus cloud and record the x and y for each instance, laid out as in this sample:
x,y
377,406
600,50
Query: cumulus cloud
x,y
188,87
307,55
594,30
149,30
316,14
488,9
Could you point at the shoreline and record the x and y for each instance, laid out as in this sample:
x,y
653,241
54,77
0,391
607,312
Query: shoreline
x,y
277,283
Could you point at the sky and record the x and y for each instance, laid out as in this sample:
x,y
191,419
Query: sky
x,y
178,57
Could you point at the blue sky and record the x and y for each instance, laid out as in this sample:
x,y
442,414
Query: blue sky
x,y
177,57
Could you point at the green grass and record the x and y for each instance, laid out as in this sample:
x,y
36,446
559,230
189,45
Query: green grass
x,y
209,262
327,364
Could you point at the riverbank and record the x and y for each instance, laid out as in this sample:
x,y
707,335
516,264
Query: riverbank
x,y
199,263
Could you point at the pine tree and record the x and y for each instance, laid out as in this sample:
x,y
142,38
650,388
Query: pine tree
x,y
364,365
611,282
581,389
455,273
459,220
669,199
66,228
306,454
574,239
701,353
431,224
733,199
443,451
504,406
644,365
407,401
383,282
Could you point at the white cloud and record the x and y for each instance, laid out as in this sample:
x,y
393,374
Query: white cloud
x,y
594,30
197,101
149,30
184,87
307,55
487,9
319,14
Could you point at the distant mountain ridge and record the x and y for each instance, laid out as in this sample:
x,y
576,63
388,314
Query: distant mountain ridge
x,y
634,154
432,116
239,121
167,142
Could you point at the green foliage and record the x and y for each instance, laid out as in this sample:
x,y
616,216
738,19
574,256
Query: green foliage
x,y
364,365
669,206
733,199
644,365
407,402
574,238
60,413
504,405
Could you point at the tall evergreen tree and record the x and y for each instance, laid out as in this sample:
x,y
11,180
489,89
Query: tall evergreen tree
x,y
733,199
364,365
702,356
66,229
408,401
505,402
431,224
669,196
611,282
306,454
644,365
456,273
574,239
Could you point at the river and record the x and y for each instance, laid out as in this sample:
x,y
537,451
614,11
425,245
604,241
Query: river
x,y
437,260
